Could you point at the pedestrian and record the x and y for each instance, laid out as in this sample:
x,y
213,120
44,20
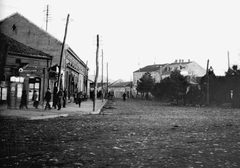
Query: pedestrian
x,y
79,97
69,96
124,96
55,97
59,99
64,98
35,99
23,100
48,99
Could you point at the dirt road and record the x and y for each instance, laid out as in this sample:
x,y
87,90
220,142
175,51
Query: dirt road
x,y
133,133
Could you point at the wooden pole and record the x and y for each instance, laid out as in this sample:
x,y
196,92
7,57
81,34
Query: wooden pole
x,y
228,61
86,82
47,18
96,76
102,76
64,39
107,79
207,101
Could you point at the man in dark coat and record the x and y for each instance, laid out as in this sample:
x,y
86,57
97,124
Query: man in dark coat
x,y
59,99
124,96
23,100
48,99
64,97
55,97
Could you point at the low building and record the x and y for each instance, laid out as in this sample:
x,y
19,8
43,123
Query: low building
x,y
22,68
74,71
119,87
161,71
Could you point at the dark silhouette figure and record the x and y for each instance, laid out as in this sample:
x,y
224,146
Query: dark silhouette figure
x,y
55,97
64,98
35,99
79,97
23,100
59,99
124,96
48,99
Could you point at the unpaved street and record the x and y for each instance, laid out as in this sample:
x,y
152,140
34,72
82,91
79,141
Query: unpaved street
x,y
134,133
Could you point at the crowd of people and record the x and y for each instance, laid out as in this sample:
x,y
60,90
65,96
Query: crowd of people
x,y
59,99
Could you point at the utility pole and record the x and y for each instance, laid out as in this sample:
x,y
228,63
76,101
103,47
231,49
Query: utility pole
x,y
228,61
60,64
102,76
207,73
96,76
86,76
107,79
47,15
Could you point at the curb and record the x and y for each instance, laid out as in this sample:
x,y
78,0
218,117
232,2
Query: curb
x,y
99,109
49,116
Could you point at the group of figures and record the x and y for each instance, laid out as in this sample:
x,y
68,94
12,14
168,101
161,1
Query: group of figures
x,y
59,99
23,102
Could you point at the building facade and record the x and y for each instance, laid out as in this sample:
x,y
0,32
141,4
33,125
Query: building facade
x,y
161,71
74,71
22,68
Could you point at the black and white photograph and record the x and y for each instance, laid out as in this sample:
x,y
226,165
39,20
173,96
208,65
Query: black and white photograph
x,y
120,83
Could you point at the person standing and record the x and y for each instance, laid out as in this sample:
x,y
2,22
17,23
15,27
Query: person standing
x,y
59,99
23,100
64,98
55,97
48,99
124,96
79,97
35,99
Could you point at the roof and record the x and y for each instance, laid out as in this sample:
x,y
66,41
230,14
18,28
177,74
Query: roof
x,y
20,48
180,63
121,84
19,15
150,68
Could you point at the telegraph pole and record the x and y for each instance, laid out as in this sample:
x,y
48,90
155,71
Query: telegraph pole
x,y
60,64
47,15
207,73
102,76
107,79
228,61
96,76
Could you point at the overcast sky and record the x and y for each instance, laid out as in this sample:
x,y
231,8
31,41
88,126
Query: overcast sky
x,y
136,33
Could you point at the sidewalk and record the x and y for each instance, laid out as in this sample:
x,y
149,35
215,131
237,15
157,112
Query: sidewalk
x,y
71,109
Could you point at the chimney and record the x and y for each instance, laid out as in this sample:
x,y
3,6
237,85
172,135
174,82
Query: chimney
x,y
176,61
182,60
188,60
179,60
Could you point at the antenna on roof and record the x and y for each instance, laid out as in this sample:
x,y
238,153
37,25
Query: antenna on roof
x,y
154,60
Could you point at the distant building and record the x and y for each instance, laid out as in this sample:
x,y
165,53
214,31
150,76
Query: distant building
x,y
119,87
161,71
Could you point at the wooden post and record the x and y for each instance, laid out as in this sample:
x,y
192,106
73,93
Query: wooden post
x,y
228,61
102,76
64,39
107,80
86,82
96,76
207,73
